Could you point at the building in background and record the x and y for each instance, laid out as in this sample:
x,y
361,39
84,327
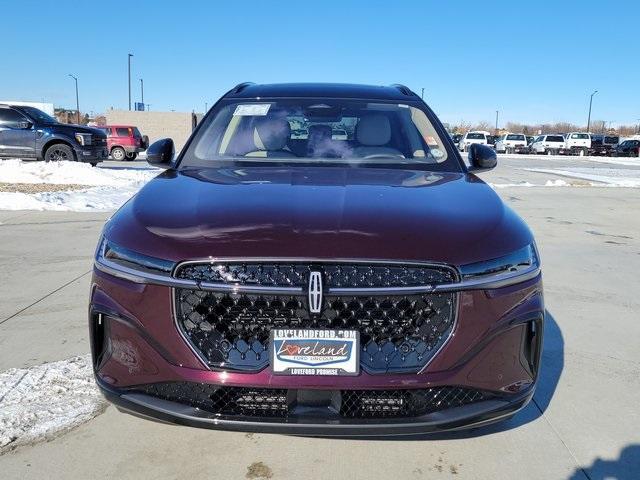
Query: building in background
x,y
157,125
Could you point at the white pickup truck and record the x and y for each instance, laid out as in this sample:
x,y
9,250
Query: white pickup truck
x,y
511,143
576,143
473,137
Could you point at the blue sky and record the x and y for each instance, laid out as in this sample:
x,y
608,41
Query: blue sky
x,y
533,61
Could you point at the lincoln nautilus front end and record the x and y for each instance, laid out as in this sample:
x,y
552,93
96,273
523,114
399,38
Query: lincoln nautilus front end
x,y
320,260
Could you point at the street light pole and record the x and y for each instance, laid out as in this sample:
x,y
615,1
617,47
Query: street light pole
x,y
77,101
129,70
142,93
589,118
497,113
422,94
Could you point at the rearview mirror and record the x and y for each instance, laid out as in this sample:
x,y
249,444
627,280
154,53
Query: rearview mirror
x,y
160,153
482,157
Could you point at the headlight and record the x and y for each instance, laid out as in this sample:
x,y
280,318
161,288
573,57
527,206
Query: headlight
x,y
83,139
516,267
126,263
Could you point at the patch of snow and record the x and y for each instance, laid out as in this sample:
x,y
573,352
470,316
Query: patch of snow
x,y
17,171
40,402
616,160
107,187
556,183
509,185
617,177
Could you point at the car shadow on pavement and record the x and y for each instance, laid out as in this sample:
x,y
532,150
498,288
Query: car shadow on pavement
x,y
625,467
550,371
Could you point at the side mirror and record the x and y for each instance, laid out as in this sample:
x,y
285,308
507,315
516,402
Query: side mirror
x,y
25,125
160,153
481,157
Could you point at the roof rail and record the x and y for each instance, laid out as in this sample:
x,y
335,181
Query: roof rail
x,y
241,86
405,90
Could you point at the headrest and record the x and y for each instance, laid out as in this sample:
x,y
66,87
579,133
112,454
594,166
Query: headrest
x,y
373,130
319,132
271,134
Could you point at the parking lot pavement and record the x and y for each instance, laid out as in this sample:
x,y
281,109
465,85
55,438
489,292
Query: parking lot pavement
x,y
583,423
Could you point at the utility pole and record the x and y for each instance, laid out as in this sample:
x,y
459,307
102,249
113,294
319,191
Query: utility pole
x,y
77,101
422,94
129,71
206,107
589,118
142,93
497,113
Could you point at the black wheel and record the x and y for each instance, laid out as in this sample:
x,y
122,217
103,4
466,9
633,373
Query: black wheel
x,y
508,150
59,152
118,154
132,156
93,164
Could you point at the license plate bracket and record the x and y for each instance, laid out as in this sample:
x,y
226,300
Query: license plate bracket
x,y
318,352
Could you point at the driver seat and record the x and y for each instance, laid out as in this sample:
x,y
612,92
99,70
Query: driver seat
x,y
373,132
270,137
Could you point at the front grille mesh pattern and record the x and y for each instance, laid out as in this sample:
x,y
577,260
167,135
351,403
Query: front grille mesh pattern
x,y
335,275
403,403
352,404
397,333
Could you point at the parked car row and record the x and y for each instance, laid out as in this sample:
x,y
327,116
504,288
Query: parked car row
x,y
572,143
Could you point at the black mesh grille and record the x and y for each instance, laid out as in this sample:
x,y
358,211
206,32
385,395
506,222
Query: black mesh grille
x,y
262,402
269,402
335,275
397,332
403,403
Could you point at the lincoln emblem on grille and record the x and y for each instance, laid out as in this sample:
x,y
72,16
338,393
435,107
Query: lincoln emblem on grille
x,y
315,292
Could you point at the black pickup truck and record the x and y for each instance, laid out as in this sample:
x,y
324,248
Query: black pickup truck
x,y
603,144
31,134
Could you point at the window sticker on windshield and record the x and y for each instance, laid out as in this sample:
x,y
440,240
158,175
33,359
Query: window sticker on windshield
x,y
252,110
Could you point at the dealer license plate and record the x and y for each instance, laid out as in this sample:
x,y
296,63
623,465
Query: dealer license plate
x,y
315,352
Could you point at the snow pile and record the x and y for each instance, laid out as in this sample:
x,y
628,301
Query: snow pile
x,y
107,188
509,185
39,402
615,177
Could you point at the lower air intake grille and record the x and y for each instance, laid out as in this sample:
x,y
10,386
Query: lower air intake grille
x,y
272,402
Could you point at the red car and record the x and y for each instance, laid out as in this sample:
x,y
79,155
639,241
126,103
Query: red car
x,y
124,142
369,284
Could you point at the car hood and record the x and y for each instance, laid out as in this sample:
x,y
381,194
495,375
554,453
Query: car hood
x,y
323,213
70,128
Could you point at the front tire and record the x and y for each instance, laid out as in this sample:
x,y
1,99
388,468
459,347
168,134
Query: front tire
x,y
132,156
118,154
59,152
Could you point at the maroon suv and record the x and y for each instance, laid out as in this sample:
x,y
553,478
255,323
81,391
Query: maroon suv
x,y
281,277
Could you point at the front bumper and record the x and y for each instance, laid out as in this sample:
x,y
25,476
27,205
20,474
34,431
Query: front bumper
x,y
91,154
318,422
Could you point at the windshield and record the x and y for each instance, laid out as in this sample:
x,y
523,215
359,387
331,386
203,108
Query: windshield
x,y
320,131
38,115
